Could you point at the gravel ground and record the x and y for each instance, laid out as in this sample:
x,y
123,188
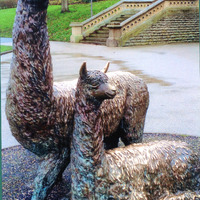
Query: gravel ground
x,y
19,169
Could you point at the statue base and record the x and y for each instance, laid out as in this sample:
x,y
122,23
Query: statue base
x,y
19,168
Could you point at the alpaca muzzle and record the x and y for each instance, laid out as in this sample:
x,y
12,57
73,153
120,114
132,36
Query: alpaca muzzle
x,y
105,91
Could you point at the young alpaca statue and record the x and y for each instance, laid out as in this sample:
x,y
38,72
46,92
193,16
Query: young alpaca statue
x,y
151,171
40,113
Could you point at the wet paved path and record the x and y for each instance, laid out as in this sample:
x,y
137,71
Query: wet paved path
x,y
171,72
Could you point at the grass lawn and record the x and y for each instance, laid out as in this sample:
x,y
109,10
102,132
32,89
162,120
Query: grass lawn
x,y
7,19
58,23
5,48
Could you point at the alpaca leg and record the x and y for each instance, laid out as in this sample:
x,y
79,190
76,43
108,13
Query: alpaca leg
x,y
49,171
132,129
111,141
132,134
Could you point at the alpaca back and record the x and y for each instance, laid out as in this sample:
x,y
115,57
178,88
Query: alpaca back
x,y
128,108
151,169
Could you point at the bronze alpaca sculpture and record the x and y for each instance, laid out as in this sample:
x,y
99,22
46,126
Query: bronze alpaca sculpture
x,y
40,112
34,105
153,171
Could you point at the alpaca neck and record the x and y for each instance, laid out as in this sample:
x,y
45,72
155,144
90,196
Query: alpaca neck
x,y
87,150
31,77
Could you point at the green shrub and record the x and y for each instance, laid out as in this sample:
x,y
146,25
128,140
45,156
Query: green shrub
x,y
88,1
8,4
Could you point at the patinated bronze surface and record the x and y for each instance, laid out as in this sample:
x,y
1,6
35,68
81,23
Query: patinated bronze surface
x,y
40,112
152,171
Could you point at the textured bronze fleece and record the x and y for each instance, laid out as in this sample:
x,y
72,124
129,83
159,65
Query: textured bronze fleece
x,y
40,112
161,170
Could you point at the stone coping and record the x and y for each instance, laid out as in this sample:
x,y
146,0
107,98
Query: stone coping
x,y
109,9
147,13
142,12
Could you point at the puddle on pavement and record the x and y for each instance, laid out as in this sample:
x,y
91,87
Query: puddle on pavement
x,y
149,79
156,52
5,62
79,55
121,64
140,73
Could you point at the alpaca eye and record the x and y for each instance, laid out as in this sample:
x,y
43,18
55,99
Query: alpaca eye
x,y
94,86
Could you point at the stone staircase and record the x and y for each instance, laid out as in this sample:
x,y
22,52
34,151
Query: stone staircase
x,y
182,26
100,36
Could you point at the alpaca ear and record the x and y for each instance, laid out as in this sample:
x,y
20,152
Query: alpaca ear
x,y
83,71
105,69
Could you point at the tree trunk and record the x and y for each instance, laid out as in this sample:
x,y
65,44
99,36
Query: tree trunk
x,y
91,9
65,6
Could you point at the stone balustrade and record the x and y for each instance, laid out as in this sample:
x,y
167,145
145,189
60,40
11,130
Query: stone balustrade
x,y
117,31
152,10
81,29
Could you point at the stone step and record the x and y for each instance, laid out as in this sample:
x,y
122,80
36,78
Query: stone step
x,y
161,42
179,23
179,27
180,19
168,33
94,42
102,35
187,18
95,39
130,14
165,35
173,22
101,32
172,29
162,39
119,19
136,41
104,28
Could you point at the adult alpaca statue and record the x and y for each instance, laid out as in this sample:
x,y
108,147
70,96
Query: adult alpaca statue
x,y
162,170
40,112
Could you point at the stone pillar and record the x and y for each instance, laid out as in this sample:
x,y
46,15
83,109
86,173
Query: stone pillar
x,y
114,34
76,32
197,3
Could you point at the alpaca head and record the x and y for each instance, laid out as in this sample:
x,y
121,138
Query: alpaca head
x,y
36,5
94,84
